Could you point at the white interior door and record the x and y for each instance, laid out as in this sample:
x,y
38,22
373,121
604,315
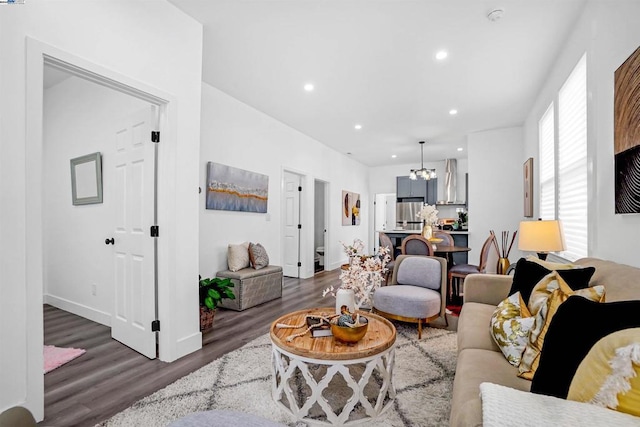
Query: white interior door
x,y
134,255
291,215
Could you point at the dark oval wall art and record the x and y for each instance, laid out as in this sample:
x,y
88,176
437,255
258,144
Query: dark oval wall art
x,y
626,143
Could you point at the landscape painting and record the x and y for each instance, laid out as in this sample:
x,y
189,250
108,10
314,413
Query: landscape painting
x,y
626,139
350,208
233,189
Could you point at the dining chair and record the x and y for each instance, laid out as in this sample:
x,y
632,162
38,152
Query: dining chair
x,y
386,242
416,245
459,272
447,238
417,292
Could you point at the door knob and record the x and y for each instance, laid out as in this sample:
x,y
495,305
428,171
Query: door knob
x,y
110,241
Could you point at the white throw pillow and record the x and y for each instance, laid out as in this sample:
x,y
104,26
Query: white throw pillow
x,y
238,256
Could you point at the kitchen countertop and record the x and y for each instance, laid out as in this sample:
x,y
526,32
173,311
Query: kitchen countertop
x,y
419,231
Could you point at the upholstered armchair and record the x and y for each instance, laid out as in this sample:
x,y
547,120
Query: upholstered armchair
x,y
417,292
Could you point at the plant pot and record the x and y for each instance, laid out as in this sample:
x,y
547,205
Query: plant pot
x,y
345,297
427,232
206,318
503,265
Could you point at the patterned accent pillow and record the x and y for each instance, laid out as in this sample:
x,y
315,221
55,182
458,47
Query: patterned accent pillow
x,y
238,256
529,273
552,266
258,256
609,376
545,299
510,325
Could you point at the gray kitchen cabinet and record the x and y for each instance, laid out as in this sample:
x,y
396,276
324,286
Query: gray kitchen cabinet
x,y
418,190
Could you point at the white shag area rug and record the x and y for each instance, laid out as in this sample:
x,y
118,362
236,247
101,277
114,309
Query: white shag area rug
x,y
241,381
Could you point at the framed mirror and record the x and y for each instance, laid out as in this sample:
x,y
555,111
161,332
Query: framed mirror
x,y
86,179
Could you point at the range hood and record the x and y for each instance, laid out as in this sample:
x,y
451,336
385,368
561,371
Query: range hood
x,y
450,176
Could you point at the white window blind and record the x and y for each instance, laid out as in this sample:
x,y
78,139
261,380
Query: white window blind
x,y
546,137
572,161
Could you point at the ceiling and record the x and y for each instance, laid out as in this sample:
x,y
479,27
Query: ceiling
x,y
372,62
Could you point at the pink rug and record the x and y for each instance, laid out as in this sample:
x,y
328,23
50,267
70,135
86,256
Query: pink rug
x,y
54,357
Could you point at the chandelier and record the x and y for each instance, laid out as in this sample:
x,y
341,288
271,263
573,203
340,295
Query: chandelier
x,y
423,173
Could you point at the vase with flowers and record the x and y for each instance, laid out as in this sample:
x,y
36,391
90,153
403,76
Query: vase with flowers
x,y
429,215
363,276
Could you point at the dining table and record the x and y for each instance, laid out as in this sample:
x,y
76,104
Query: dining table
x,y
448,252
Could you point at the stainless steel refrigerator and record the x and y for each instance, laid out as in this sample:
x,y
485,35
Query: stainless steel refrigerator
x,y
406,215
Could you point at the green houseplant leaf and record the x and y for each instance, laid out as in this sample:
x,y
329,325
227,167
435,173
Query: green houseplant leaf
x,y
214,290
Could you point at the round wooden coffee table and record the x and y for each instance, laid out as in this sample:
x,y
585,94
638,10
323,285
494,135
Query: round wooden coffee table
x,y
322,380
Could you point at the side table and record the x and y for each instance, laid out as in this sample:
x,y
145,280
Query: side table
x,y
322,380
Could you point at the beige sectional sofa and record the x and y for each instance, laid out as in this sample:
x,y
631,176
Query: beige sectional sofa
x,y
479,358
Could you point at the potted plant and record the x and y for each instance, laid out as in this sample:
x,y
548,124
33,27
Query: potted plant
x,y
212,291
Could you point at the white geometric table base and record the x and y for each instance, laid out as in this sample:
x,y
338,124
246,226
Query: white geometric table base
x,y
372,374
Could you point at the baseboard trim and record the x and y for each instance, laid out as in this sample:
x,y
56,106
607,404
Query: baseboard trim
x,y
79,309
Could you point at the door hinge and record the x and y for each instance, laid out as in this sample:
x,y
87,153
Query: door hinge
x,y
299,226
155,136
299,187
155,326
155,231
299,264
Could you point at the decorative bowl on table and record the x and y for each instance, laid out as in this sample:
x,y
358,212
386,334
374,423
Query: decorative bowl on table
x,y
350,334
436,240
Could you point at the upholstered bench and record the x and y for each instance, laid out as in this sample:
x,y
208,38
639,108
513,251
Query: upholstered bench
x,y
253,287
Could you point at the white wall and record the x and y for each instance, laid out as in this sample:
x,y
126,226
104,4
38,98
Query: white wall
x,y
238,135
148,42
79,118
495,187
608,35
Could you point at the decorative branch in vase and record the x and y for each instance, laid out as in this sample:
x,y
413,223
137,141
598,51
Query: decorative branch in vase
x,y
503,253
358,282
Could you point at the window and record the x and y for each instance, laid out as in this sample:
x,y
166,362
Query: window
x,y
563,162
547,165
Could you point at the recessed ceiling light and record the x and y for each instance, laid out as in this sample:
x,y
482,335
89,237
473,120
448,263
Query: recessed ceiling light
x,y
393,156
460,148
453,112
308,87
358,127
441,55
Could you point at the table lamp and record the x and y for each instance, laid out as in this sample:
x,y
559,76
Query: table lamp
x,y
541,237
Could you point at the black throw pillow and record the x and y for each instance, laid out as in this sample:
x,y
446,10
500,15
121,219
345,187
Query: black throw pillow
x,y
529,273
577,325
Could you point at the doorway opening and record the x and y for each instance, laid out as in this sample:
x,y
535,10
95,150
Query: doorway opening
x,y
384,215
99,259
292,223
320,226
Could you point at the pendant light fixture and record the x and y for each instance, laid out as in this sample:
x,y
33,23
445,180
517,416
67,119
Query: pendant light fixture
x,y
423,173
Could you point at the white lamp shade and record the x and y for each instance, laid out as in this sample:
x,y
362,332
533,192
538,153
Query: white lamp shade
x,y
541,236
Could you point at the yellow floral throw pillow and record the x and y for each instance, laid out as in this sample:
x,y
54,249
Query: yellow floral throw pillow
x,y
609,376
545,299
510,325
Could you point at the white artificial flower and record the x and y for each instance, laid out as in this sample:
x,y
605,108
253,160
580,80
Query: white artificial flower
x,y
429,214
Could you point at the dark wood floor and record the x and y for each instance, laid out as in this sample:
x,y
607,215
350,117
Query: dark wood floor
x,y
109,377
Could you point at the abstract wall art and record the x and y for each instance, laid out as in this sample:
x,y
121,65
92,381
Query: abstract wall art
x,y
626,139
233,189
527,173
351,211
